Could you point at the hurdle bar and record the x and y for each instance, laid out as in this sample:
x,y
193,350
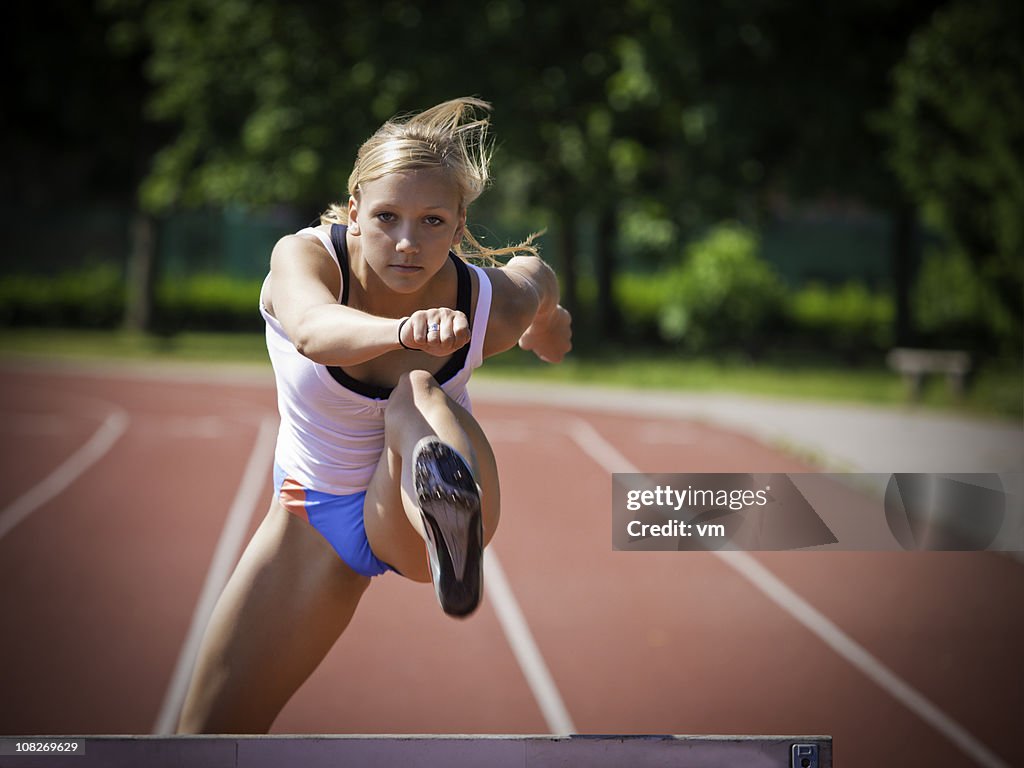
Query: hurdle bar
x,y
422,751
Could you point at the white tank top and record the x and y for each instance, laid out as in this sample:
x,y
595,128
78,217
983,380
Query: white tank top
x,y
331,437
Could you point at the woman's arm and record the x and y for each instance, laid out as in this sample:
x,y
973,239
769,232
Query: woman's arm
x,y
305,282
525,311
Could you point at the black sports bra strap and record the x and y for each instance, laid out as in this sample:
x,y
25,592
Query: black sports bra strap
x,y
341,251
464,295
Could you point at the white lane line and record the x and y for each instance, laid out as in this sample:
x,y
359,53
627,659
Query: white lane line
x,y
230,544
842,644
102,440
775,590
525,649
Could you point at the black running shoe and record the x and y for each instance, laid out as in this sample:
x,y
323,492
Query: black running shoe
x,y
449,503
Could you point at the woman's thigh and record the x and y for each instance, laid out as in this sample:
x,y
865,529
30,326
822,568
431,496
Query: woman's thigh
x,y
285,605
393,524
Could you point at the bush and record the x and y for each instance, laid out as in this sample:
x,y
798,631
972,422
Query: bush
x,y
641,299
849,320
209,303
722,296
954,307
95,298
88,298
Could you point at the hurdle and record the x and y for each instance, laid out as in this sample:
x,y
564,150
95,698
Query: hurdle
x,y
420,751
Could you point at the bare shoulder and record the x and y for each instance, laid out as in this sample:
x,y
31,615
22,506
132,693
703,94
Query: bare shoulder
x,y
301,248
301,265
304,253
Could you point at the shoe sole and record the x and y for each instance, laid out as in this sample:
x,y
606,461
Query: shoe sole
x,y
449,504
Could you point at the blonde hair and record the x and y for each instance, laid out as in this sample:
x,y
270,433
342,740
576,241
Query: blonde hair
x,y
452,136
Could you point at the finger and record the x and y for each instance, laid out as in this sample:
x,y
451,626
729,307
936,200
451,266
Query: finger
x,y
445,333
460,330
453,330
433,333
421,322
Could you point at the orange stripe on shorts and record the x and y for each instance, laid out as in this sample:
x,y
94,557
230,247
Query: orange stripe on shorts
x,y
293,498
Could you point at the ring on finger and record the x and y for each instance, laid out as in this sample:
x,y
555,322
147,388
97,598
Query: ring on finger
x,y
433,328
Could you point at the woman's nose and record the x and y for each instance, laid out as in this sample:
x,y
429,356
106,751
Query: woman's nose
x,y
407,242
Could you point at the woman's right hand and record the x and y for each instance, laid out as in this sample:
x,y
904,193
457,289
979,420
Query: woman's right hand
x,y
549,336
437,332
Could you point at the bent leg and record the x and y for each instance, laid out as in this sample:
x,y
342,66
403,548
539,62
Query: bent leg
x,y
287,602
419,408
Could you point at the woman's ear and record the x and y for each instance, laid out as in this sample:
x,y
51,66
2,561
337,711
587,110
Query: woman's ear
x,y
353,216
460,229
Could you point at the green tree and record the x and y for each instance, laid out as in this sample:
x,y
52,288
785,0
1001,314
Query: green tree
x,y
647,124
272,98
957,128
723,296
71,128
781,105
249,93
590,131
75,139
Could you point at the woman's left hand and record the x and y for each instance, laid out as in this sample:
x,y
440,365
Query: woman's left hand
x,y
549,337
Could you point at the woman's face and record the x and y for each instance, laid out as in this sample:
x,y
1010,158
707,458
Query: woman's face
x,y
406,224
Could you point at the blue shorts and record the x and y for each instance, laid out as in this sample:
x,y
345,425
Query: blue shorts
x,y
339,519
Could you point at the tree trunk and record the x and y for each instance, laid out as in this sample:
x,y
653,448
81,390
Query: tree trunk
x,y
568,246
904,268
138,314
608,312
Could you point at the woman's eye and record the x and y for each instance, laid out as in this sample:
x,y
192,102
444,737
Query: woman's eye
x,y
385,216
435,221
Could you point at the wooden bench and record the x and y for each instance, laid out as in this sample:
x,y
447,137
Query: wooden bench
x,y
914,365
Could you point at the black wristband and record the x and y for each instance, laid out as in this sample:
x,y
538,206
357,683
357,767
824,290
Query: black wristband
x,y
400,326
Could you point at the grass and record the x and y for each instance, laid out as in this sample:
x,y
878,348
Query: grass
x,y
93,345
997,390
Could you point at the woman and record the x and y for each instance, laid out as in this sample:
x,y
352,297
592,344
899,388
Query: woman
x,y
374,327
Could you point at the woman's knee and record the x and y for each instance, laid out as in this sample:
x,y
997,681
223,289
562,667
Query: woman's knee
x,y
416,391
404,391
416,387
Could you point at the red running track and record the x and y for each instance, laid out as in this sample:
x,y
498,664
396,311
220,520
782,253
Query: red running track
x,y
903,658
